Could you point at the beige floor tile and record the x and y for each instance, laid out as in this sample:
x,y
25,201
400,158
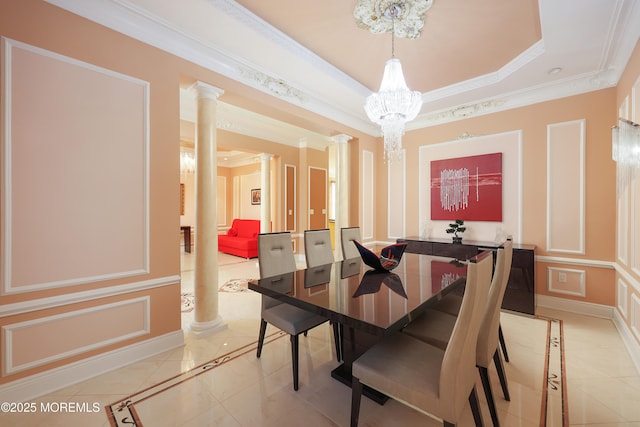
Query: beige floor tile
x,y
603,384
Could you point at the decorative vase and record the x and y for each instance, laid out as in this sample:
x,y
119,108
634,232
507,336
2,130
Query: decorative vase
x,y
457,240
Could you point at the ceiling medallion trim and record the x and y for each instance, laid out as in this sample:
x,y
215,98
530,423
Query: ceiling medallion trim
x,y
375,16
276,87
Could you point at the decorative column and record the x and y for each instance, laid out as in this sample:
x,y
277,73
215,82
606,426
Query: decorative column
x,y
342,188
265,193
207,320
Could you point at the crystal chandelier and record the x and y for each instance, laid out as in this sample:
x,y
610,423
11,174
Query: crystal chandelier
x,y
394,104
625,151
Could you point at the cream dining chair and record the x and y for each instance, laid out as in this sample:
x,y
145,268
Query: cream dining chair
x,y
275,258
435,327
425,377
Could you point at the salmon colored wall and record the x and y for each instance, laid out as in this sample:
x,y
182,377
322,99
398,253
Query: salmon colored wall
x,y
61,32
629,298
64,33
599,110
629,77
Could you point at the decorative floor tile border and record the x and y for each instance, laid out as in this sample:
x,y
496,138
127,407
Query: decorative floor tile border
x,y
123,414
554,405
554,410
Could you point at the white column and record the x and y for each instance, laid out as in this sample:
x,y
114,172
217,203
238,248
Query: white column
x,y
265,193
207,320
342,188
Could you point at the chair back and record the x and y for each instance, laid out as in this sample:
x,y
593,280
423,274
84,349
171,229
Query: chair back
x,y
347,236
275,258
488,334
275,254
458,372
317,247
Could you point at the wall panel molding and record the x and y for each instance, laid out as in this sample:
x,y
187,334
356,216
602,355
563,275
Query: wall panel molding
x,y
635,316
623,227
133,320
628,278
84,217
290,197
507,143
576,261
396,196
222,200
566,187
566,281
622,290
13,309
368,190
31,387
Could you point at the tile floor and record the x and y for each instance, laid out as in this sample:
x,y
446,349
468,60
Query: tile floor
x,y
218,381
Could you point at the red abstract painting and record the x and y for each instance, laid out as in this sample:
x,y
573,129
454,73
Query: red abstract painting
x,y
467,188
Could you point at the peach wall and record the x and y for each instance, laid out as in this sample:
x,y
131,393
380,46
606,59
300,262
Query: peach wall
x,y
627,301
65,34
598,110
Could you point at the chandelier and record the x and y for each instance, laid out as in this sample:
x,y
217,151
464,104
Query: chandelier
x,y
625,150
394,104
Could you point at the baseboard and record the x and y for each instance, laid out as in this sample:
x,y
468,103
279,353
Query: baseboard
x,y
571,306
26,389
629,340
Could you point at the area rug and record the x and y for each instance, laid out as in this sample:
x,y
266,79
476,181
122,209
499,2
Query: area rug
x,y
235,285
187,302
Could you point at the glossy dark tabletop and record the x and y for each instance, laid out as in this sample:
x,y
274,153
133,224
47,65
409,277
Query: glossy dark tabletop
x,y
353,294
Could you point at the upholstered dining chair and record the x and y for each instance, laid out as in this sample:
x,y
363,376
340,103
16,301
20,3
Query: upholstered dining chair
x,y
425,377
435,328
317,249
347,236
275,257
451,304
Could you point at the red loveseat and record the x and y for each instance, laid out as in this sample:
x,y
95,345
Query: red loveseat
x,y
241,239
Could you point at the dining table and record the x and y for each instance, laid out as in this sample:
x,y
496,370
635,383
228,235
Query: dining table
x,y
367,304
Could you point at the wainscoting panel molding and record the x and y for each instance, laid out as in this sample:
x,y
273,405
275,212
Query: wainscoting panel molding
x,y
67,334
622,297
31,387
78,211
566,187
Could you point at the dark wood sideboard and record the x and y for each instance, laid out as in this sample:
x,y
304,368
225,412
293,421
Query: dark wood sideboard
x,y
520,293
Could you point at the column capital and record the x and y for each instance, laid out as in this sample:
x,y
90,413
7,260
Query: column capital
x,y
341,139
204,90
266,156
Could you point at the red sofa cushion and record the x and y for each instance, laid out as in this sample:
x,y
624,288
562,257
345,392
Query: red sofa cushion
x,y
246,227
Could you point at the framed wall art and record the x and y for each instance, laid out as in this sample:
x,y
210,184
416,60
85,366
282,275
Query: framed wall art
x,y
255,196
467,188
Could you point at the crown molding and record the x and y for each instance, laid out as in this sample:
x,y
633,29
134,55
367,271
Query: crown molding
x,y
131,20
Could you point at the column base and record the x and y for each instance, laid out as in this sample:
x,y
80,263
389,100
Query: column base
x,y
204,329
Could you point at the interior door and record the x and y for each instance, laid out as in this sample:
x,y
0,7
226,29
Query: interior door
x,y
317,198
